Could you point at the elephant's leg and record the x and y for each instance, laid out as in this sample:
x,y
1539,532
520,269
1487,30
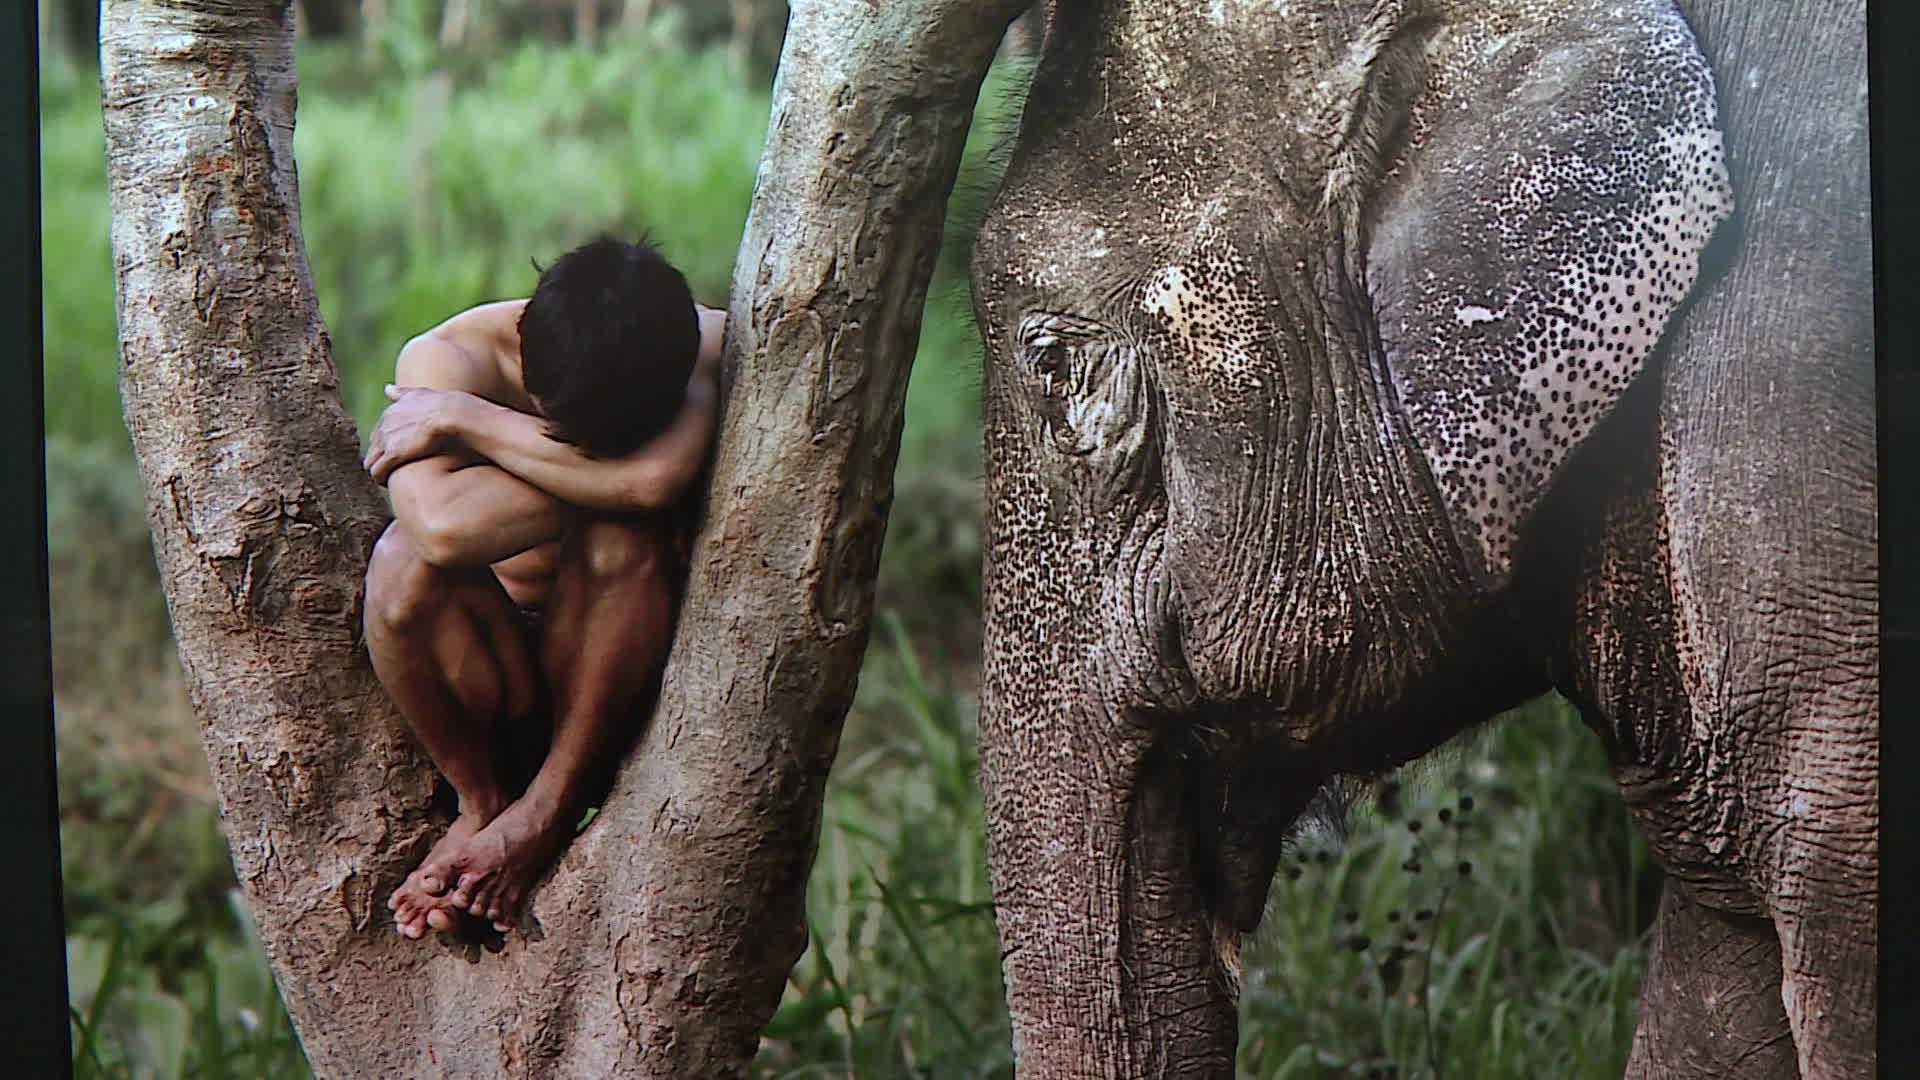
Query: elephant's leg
x,y
1824,902
1791,706
1768,484
1711,1005
1828,988
1116,968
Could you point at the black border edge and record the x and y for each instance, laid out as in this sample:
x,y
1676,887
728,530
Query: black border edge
x,y
34,1018
1890,40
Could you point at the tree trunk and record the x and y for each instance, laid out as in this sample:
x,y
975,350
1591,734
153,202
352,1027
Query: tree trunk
x,y
660,943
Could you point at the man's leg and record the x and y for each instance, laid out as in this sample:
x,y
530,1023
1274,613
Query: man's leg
x,y
449,649
609,624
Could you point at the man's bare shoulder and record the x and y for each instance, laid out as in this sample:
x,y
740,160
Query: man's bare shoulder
x,y
476,351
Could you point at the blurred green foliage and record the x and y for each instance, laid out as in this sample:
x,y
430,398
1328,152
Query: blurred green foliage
x,y
431,182
473,178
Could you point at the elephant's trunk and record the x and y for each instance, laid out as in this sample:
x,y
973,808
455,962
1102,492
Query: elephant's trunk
x,y
1112,961
1095,812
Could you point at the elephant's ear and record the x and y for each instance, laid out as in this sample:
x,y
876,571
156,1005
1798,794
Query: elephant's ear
x,y
1540,221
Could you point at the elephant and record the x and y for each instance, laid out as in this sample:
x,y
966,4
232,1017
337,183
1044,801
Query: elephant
x,y
1357,370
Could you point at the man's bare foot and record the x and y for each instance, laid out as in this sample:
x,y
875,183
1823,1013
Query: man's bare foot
x,y
498,864
420,904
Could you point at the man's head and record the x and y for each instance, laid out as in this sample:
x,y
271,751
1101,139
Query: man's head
x,y
607,343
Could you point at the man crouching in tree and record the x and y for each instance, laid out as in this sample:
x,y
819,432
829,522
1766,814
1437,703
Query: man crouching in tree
x,y
538,455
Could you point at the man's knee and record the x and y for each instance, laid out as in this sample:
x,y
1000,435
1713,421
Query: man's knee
x,y
618,551
403,589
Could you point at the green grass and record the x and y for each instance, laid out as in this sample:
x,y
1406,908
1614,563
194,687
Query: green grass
x,y
164,976
901,976
218,1017
424,192
81,347
1483,918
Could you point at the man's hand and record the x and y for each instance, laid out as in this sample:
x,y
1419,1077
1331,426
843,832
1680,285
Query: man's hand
x,y
421,423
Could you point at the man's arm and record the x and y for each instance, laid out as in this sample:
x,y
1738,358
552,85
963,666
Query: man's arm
x,y
472,514
647,479
456,510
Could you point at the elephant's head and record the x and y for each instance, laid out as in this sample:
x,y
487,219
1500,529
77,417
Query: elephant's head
x,y
1292,311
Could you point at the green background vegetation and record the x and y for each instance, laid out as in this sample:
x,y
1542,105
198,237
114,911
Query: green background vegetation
x,y
429,184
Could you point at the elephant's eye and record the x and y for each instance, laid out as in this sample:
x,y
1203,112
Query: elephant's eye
x,y
1049,358
1048,341
1085,385
1054,350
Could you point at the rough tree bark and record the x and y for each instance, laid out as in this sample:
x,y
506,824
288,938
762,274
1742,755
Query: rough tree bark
x,y
660,943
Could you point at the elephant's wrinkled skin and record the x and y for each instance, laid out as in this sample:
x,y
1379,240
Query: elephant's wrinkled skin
x,y
1357,370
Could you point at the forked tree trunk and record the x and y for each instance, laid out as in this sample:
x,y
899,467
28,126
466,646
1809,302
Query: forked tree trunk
x,y
660,943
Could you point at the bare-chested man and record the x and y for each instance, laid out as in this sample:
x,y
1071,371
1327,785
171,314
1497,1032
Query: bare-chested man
x,y
532,451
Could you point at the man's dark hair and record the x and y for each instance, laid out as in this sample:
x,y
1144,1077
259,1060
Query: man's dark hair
x,y
607,343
